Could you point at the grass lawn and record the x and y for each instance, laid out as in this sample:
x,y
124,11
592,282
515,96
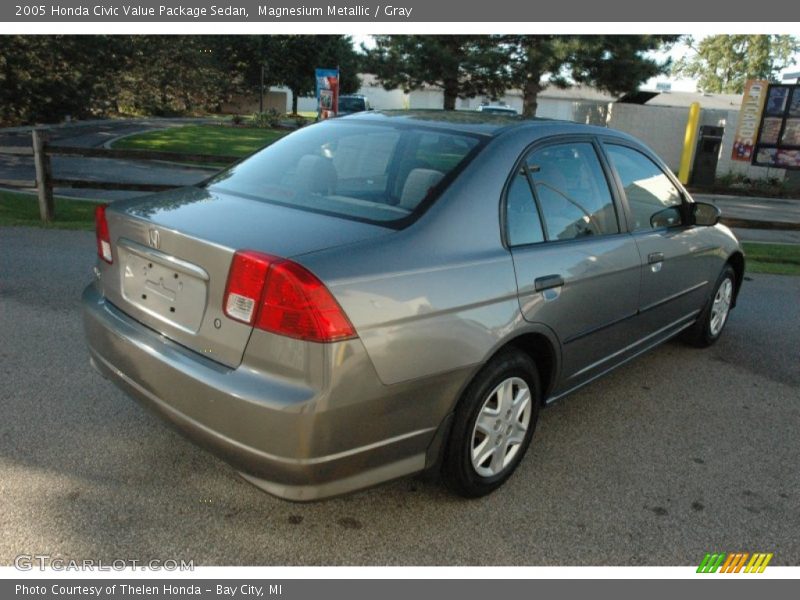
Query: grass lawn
x,y
202,139
23,209
780,259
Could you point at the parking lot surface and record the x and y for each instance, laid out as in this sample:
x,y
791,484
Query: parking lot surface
x,y
676,454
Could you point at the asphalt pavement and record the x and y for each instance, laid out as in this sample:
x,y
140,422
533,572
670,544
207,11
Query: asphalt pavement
x,y
678,453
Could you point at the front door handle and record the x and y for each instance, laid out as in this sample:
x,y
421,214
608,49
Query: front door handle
x,y
547,282
655,257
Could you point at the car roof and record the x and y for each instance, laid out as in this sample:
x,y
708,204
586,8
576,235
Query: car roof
x,y
473,121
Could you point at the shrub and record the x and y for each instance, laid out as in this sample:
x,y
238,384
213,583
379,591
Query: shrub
x,y
267,120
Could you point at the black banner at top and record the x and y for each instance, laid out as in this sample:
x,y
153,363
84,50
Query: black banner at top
x,y
395,11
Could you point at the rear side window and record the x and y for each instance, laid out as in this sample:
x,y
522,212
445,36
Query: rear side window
x,y
572,191
647,188
523,224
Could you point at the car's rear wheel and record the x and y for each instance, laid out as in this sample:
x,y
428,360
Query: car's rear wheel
x,y
493,425
709,325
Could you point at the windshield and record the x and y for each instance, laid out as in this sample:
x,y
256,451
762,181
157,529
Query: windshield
x,y
352,104
376,173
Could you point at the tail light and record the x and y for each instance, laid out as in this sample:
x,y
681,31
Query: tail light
x,y
281,296
101,231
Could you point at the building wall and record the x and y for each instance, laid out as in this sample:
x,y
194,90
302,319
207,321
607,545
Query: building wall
x,y
382,99
247,105
379,98
425,99
589,112
434,99
661,128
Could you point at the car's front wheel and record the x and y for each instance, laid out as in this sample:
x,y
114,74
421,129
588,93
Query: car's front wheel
x,y
493,425
709,325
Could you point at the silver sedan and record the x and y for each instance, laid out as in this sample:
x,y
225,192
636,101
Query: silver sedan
x,y
390,293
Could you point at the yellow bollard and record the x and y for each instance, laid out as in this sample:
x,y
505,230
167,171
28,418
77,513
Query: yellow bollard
x,y
689,143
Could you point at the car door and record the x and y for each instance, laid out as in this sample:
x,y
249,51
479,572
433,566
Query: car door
x,y
578,271
676,257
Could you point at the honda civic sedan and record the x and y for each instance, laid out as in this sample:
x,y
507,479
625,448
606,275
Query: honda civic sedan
x,y
392,293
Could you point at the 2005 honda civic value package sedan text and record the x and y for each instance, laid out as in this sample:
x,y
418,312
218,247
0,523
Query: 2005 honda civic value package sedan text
x,y
390,293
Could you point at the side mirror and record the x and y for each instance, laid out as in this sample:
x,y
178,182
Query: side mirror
x,y
668,217
705,214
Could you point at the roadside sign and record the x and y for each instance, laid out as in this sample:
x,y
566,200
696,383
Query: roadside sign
x,y
778,140
327,84
755,93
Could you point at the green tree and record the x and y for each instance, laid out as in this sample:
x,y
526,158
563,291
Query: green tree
x,y
168,75
463,66
723,63
291,60
46,78
614,63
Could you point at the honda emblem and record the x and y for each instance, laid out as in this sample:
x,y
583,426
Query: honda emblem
x,y
154,238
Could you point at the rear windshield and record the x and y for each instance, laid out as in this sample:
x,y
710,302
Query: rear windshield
x,y
375,173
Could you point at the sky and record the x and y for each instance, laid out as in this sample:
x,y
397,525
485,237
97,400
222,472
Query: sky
x,y
677,52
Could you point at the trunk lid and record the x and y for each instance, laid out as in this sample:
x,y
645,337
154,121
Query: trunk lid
x,y
173,251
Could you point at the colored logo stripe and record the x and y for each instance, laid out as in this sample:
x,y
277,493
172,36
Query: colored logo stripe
x,y
759,561
733,562
710,563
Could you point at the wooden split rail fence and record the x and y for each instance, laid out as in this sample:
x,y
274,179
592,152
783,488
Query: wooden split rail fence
x,y
41,151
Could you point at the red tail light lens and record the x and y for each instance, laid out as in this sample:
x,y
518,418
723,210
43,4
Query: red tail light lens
x,y
282,297
101,232
297,304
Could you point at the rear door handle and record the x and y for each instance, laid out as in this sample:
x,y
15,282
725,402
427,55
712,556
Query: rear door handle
x,y
655,257
547,281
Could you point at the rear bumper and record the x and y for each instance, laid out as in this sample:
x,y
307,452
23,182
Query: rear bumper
x,y
289,436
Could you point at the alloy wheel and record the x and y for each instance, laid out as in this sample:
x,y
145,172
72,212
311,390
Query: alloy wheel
x,y
501,426
721,306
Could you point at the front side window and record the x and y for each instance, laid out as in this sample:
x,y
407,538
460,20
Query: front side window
x,y
648,189
572,191
375,173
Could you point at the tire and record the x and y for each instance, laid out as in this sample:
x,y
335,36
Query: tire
x,y
708,328
496,396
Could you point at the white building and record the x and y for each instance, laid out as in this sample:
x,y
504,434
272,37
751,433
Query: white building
x,y
656,117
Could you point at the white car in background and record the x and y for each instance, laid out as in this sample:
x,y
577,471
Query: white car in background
x,y
498,109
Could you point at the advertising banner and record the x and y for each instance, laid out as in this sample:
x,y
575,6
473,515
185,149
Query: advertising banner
x,y
778,136
327,92
755,93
